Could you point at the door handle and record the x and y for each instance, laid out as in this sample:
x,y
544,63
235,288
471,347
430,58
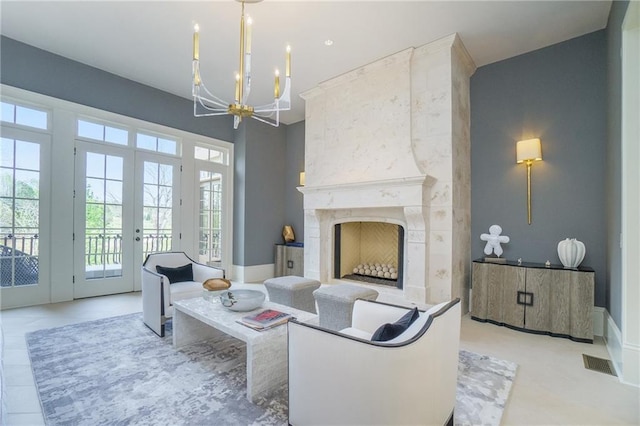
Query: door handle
x,y
525,298
137,238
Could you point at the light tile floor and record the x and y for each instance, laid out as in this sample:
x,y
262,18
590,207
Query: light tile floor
x,y
552,387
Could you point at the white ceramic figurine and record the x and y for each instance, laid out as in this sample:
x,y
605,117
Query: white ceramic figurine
x,y
494,239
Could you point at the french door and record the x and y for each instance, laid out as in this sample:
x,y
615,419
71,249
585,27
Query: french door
x,y
126,205
24,218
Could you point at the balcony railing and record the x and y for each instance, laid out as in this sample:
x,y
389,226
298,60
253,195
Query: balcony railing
x,y
19,253
104,249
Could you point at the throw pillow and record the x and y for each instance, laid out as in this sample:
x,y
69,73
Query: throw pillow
x,y
391,331
176,275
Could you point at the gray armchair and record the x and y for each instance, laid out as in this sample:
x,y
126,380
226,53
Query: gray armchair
x,y
159,290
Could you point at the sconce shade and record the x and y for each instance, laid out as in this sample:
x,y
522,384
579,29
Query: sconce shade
x,y
529,150
301,178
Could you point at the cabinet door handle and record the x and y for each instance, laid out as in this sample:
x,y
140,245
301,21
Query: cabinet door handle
x,y
525,298
290,264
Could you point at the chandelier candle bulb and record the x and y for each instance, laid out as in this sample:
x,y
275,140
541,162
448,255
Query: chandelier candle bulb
x,y
237,88
276,89
288,66
196,42
249,22
196,78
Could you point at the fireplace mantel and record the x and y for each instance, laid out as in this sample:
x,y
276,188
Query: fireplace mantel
x,y
401,192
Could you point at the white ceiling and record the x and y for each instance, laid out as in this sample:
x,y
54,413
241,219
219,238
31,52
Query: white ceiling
x,y
151,42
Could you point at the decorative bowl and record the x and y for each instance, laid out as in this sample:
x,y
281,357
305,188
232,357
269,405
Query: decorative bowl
x,y
242,300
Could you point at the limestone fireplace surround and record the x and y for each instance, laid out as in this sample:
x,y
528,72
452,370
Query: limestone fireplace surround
x,y
389,142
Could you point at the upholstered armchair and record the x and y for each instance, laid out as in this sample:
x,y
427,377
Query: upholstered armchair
x,y
181,278
344,378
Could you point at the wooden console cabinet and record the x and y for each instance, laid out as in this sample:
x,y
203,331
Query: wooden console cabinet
x,y
534,298
289,260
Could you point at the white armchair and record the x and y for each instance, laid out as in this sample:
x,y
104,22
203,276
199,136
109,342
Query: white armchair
x,y
343,378
158,293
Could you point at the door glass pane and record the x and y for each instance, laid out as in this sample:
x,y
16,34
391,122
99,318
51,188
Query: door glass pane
x,y
210,217
157,207
103,216
27,155
19,213
6,152
95,165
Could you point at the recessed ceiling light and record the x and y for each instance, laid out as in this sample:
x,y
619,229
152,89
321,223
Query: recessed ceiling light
x,y
328,42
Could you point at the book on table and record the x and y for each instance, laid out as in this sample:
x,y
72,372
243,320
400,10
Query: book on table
x,y
265,319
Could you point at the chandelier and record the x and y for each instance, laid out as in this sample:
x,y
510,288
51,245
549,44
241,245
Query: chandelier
x,y
205,103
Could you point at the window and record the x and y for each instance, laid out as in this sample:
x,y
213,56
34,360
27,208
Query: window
x,y
158,144
100,132
24,116
208,154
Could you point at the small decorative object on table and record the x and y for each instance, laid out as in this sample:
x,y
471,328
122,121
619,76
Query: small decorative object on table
x,y
266,319
547,264
242,300
287,234
213,287
494,239
571,252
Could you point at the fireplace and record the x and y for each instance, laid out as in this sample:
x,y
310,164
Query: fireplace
x,y
389,143
370,252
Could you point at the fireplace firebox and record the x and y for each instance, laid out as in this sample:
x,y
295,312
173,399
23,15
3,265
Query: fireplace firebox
x,y
370,252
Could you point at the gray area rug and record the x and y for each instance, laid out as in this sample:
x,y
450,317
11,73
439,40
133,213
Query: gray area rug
x,y
117,371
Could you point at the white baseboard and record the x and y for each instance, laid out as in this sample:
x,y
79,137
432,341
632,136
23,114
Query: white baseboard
x,y
624,357
598,316
252,274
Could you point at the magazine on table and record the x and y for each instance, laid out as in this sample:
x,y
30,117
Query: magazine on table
x,y
264,319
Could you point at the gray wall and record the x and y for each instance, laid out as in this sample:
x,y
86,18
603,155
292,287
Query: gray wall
x,y
614,166
264,217
294,212
260,149
37,70
559,95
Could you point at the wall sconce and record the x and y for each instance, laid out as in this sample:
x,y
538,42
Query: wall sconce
x,y
527,152
301,178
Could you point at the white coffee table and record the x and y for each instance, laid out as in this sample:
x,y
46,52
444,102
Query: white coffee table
x,y
197,319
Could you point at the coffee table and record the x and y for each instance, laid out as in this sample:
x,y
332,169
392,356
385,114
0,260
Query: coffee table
x,y
197,319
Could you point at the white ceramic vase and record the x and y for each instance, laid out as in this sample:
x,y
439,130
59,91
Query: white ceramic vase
x,y
571,252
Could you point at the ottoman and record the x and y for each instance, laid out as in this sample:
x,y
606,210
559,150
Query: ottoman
x,y
335,303
293,291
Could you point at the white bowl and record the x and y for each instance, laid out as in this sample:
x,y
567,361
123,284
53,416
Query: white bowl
x,y
242,300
